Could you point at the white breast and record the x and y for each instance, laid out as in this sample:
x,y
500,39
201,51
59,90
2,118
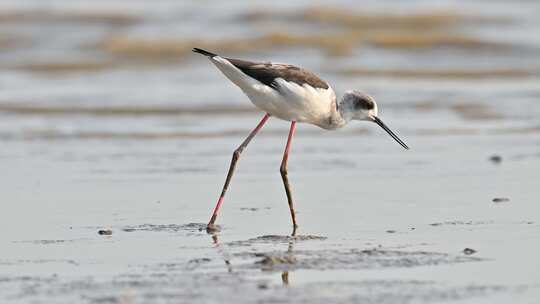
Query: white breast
x,y
294,102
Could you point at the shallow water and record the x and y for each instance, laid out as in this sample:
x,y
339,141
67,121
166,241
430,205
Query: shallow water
x,y
108,122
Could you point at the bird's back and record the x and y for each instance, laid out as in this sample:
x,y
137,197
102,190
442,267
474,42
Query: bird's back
x,y
267,73
282,90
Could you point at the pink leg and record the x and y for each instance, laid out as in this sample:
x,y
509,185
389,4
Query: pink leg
x,y
283,170
236,155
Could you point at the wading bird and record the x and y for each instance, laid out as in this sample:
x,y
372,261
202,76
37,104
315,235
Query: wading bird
x,y
292,94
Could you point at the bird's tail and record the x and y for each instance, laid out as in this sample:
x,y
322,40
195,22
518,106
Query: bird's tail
x,y
203,52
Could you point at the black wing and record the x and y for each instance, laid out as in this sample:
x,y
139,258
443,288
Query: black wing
x,y
267,73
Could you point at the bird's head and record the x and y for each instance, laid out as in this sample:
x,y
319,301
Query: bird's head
x,y
357,105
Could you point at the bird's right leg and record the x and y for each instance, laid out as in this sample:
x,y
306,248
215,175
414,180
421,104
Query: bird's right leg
x,y
236,155
284,176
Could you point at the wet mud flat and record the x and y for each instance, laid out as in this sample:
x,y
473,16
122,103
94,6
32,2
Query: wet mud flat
x,y
180,263
377,225
247,266
270,278
364,236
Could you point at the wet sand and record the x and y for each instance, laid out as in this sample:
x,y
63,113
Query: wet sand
x,y
116,141
376,224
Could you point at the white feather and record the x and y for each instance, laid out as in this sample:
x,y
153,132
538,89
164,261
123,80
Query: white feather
x,y
233,73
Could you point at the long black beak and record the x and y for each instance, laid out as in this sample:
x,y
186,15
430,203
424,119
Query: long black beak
x,y
378,121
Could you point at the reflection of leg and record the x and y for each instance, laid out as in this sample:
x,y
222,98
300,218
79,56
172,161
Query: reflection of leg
x,y
285,277
215,240
290,255
236,155
290,247
283,170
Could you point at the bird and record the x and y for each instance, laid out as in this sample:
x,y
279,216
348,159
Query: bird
x,y
292,94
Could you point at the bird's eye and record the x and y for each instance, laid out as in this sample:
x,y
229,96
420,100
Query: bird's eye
x,y
370,105
363,104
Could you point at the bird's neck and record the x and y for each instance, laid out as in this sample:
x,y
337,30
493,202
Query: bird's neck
x,y
339,116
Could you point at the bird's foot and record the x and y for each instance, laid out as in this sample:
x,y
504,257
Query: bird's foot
x,y
294,230
212,228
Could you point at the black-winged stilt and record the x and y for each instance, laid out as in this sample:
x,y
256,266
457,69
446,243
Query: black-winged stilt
x,y
293,94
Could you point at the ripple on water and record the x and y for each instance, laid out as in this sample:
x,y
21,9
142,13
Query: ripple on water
x,y
277,239
171,288
389,291
191,227
353,259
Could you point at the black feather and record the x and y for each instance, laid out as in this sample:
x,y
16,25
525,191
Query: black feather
x,y
267,73
203,52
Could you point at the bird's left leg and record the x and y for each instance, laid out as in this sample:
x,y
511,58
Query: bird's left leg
x,y
210,228
283,170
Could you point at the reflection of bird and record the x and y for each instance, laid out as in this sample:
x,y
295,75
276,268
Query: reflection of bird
x,y
293,94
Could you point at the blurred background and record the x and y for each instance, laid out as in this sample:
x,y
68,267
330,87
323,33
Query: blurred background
x,y
124,69
109,91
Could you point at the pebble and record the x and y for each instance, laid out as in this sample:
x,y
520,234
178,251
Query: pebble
x,y
105,232
469,251
262,286
496,159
